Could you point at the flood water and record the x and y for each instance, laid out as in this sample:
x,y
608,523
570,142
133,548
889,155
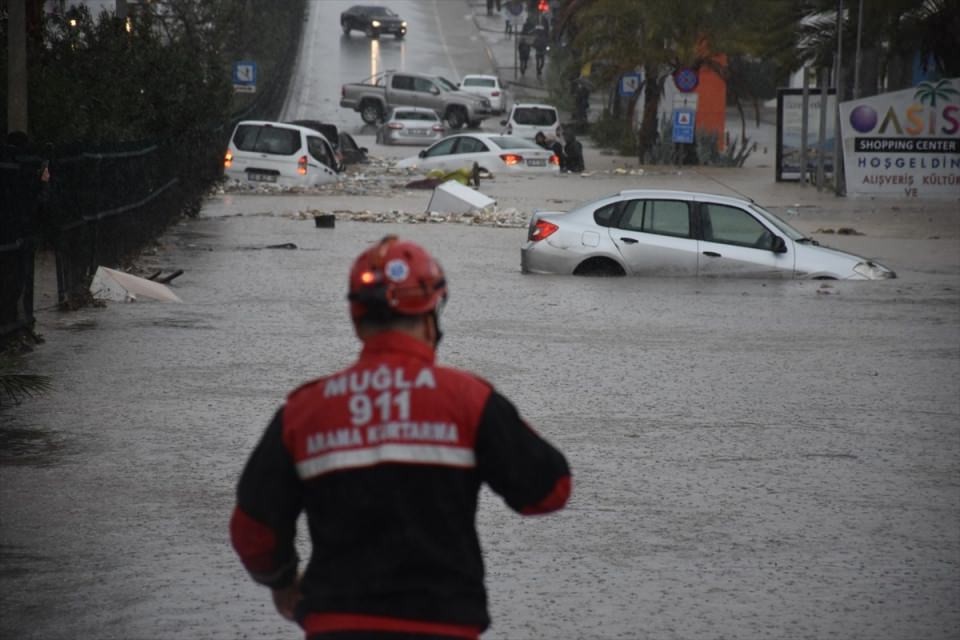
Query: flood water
x,y
751,459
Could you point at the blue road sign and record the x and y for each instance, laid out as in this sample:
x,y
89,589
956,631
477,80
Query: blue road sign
x,y
684,121
629,83
245,76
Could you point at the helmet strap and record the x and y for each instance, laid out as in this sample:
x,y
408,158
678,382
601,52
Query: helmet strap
x,y
438,334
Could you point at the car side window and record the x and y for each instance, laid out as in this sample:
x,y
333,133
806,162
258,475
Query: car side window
x,y
403,83
422,84
319,150
663,217
442,148
471,145
604,215
732,225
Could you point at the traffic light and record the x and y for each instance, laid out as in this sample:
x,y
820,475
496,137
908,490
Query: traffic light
x,y
543,6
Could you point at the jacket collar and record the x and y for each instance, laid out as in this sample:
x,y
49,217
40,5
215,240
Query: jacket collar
x,y
397,342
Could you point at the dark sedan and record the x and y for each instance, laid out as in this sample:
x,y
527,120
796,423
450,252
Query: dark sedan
x,y
373,20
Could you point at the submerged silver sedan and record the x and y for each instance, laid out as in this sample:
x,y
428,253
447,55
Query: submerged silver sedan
x,y
682,233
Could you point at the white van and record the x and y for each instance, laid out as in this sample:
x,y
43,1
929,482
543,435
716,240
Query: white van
x,y
526,119
275,153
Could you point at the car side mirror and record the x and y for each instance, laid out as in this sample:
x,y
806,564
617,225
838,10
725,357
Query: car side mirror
x,y
435,91
364,150
778,245
423,153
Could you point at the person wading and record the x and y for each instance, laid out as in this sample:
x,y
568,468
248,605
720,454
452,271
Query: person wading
x,y
387,458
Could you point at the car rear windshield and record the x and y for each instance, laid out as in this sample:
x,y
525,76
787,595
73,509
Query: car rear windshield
x,y
479,82
266,139
536,116
512,142
415,115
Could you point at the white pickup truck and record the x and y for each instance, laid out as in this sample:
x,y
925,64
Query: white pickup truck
x,y
377,94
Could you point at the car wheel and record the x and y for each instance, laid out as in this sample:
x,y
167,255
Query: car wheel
x,y
456,118
602,267
370,112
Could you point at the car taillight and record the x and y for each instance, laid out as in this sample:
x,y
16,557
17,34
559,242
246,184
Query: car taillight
x,y
438,127
495,94
511,159
227,160
302,165
554,159
394,125
540,230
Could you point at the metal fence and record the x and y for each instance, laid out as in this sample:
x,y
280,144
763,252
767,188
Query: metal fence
x,y
102,206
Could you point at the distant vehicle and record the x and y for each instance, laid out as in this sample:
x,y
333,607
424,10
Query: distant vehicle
x,y
373,20
275,153
526,119
491,152
410,125
681,233
344,146
487,86
381,92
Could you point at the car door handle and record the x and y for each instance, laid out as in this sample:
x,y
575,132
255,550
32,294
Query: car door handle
x,y
629,240
712,254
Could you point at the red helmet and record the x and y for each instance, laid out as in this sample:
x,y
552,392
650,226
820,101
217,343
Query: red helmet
x,y
395,277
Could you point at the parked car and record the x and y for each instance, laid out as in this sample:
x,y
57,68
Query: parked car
x,y
681,233
379,93
262,152
526,119
487,86
373,20
344,146
410,125
492,153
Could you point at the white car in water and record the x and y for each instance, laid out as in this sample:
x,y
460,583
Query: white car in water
x,y
682,233
279,154
490,152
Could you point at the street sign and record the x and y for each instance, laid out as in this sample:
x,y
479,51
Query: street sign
x,y
629,83
245,77
683,125
686,79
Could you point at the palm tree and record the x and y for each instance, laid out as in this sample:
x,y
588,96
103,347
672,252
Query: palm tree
x,y
15,386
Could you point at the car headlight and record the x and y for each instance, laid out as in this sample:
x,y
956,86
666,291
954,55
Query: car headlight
x,y
404,24
873,270
375,23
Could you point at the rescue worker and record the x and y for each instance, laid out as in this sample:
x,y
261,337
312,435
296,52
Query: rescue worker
x,y
572,152
554,145
387,458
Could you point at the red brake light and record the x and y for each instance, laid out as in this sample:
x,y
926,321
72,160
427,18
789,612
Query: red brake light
x,y
438,127
227,160
511,159
302,165
495,94
395,125
540,230
554,159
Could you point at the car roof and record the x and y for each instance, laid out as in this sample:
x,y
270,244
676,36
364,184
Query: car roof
x,y
533,105
285,125
681,195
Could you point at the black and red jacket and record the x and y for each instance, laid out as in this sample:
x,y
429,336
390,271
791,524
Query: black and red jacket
x,y
387,458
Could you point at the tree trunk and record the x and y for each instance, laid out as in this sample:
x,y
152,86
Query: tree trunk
x,y
649,127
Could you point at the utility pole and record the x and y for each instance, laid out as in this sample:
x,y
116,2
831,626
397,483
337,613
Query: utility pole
x,y
838,186
17,66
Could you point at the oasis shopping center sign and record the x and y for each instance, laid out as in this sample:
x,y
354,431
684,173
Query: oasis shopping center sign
x,y
905,143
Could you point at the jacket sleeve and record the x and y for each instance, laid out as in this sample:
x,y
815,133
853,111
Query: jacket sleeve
x,y
529,473
269,500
